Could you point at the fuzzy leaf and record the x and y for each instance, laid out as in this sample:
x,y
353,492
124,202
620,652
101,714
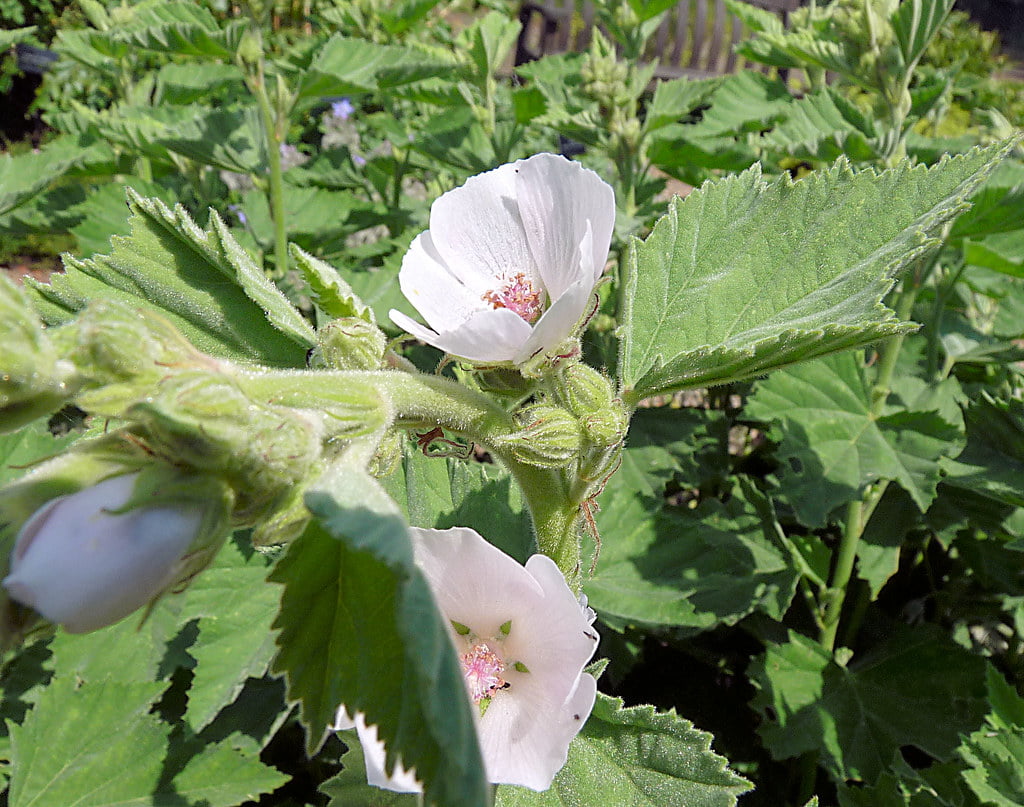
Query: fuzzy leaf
x,y
833,447
745,275
637,756
693,569
916,688
235,607
358,626
996,760
201,280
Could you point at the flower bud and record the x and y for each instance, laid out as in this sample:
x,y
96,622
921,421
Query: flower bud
x,y
89,559
589,396
204,421
123,352
349,343
550,437
33,381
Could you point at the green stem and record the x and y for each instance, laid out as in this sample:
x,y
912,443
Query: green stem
x,y
274,137
857,512
421,401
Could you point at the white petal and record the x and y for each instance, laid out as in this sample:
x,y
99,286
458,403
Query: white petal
x,y
558,321
400,780
488,337
527,743
477,231
442,299
557,198
474,582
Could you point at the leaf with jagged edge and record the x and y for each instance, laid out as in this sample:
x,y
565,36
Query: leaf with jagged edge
x,y
996,760
677,98
997,207
201,280
328,289
915,22
992,464
358,626
832,446
744,275
636,755
345,65
824,126
24,175
235,608
754,18
915,688
13,36
182,28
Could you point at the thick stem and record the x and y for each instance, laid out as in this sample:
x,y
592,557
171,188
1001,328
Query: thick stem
x,y
423,402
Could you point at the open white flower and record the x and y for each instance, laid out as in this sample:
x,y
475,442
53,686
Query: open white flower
x,y
523,640
510,260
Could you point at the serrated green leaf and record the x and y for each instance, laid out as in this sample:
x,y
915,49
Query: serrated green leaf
x,y
915,688
914,23
192,83
754,18
824,126
231,139
187,29
693,569
358,627
677,98
13,36
104,214
20,450
992,464
344,66
201,280
745,275
93,744
638,756
832,446
224,774
996,760
235,607
25,175
997,207
328,289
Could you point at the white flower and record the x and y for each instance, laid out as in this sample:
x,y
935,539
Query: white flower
x,y
85,567
510,260
523,640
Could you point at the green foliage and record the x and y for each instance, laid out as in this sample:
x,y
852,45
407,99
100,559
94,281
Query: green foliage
x,y
656,758
724,251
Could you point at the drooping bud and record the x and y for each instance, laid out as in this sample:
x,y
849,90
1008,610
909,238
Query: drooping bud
x,y
349,343
549,436
33,380
89,559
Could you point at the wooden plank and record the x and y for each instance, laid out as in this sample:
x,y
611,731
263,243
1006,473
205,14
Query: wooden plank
x,y
699,27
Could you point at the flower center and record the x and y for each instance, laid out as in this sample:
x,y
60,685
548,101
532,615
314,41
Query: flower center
x,y
519,296
482,669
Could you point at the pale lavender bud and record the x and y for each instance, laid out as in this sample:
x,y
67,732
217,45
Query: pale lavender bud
x,y
84,566
358,160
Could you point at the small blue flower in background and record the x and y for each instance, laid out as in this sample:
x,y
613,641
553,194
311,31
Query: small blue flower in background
x,y
358,160
237,210
342,109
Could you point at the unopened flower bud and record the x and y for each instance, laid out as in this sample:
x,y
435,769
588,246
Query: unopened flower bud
x,y
121,352
91,558
549,438
349,343
33,381
589,396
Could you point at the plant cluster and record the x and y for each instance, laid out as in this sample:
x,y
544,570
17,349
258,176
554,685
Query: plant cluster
x,y
335,463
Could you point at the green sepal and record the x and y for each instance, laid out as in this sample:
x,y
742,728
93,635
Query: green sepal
x,y
33,379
